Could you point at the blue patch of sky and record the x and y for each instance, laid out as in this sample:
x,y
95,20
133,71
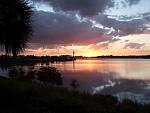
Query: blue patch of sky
x,y
122,9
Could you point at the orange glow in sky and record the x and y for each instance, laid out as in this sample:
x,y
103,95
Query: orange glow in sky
x,y
91,54
116,48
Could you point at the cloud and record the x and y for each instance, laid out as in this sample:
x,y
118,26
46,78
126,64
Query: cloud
x,y
132,2
86,7
113,40
123,28
104,45
134,45
63,26
56,28
83,7
119,4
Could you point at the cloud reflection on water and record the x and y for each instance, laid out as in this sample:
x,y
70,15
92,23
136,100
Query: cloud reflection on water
x,y
120,77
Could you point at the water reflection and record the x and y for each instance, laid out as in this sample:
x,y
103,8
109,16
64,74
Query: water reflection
x,y
120,77
110,83
49,76
44,75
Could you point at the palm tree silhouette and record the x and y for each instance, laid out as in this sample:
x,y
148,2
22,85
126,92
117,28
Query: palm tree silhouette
x,y
15,25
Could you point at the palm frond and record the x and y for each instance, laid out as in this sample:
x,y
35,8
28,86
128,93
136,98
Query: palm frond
x,y
15,25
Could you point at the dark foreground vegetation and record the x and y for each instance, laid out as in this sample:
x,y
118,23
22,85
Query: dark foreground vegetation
x,y
15,26
22,96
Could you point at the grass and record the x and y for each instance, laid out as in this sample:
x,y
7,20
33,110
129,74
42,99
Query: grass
x,y
22,96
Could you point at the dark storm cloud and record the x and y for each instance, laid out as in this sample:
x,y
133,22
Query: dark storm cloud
x,y
88,8
123,28
52,28
59,28
83,7
134,45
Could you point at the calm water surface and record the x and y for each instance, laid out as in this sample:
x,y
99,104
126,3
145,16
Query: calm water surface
x,y
124,78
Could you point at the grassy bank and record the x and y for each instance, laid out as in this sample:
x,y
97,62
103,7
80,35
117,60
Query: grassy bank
x,y
21,96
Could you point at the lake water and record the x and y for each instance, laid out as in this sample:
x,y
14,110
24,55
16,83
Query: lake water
x,y
120,77
124,78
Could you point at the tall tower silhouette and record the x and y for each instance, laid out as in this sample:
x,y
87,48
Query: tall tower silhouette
x,y
73,53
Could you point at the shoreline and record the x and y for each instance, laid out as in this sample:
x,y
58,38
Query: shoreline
x,y
24,96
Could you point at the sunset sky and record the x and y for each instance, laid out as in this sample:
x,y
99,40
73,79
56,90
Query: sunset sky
x,y
90,27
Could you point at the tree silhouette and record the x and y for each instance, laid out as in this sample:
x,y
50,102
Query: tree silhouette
x,y
15,25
